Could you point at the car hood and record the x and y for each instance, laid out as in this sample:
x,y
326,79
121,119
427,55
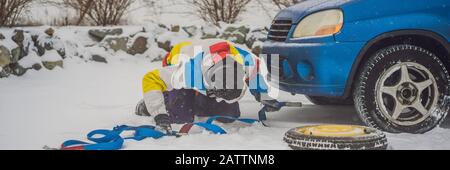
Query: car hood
x,y
297,12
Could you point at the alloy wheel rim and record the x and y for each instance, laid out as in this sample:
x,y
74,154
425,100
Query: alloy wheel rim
x,y
407,93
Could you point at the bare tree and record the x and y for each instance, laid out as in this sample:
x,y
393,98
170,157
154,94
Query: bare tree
x,y
11,10
82,7
153,7
100,12
108,12
215,11
285,3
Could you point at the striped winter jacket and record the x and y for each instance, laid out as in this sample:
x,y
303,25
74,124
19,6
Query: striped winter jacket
x,y
186,64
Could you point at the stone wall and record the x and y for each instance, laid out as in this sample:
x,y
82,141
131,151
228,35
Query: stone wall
x,y
23,49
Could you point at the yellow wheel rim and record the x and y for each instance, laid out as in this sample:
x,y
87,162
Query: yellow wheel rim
x,y
333,131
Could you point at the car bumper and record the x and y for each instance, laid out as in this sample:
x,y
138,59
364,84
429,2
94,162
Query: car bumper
x,y
313,68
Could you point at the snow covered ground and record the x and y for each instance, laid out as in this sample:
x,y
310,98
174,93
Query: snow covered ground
x,y
49,107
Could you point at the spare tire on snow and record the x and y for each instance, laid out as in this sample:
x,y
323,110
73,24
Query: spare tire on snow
x,y
336,137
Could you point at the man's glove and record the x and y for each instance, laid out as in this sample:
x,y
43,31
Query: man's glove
x,y
272,105
163,121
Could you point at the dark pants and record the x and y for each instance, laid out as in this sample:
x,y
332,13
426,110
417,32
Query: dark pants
x,y
183,105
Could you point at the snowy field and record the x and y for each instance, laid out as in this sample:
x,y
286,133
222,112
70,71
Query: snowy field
x,y
54,106
49,107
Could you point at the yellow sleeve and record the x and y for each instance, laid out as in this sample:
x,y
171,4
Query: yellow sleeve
x,y
173,58
153,82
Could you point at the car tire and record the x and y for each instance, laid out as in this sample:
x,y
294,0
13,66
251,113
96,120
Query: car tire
x,y
365,138
403,89
324,101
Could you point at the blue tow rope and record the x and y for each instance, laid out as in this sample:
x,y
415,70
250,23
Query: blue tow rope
x,y
111,139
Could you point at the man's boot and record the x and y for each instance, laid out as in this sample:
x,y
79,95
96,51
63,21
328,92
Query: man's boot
x,y
141,109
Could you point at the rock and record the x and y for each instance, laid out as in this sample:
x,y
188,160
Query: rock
x,y
209,31
47,43
36,67
17,69
98,58
50,65
236,38
162,26
52,59
5,72
236,35
50,31
62,52
242,29
16,54
18,37
100,34
157,59
139,46
256,35
257,47
2,37
209,36
175,28
40,50
22,49
156,30
167,40
41,47
5,56
34,37
28,61
257,50
24,52
191,31
158,54
140,32
116,43
167,46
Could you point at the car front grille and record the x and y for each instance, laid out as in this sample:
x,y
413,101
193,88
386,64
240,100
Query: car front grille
x,y
279,30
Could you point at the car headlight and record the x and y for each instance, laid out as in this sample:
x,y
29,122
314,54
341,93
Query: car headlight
x,y
322,23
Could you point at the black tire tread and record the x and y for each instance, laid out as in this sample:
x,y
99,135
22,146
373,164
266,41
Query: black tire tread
x,y
359,97
373,141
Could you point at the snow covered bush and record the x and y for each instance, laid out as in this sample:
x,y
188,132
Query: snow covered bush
x,y
99,12
82,7
11,10
216,11
108,12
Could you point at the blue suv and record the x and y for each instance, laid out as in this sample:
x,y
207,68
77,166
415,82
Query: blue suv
x,y
390,58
